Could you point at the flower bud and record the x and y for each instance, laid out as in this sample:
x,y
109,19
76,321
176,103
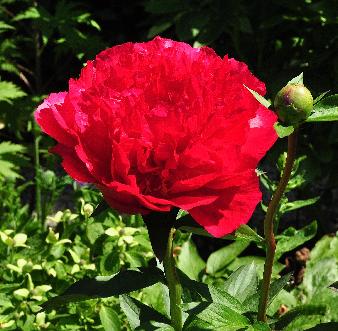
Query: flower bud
x,y
293,103
87,210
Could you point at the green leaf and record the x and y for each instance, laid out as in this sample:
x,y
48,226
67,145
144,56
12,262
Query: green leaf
x,y
7,170
330,326
157,29
285,298
214,316
221,258
154,326
320,97
94,231
242,283
9,92
289,206
328,297
297,312
259,98
297,80
110,263
106,286
292,238
325,110
259,264
189,261
30,13
246,233
283,131
195,291
251,303
277,285
109,319
320,274
139,313
157,297
326,247
258,326
4,26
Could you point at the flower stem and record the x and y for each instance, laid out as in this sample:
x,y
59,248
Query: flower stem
x,y
38,207
175,289
269,228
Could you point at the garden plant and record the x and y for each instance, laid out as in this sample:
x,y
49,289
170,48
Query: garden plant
x,y
167,187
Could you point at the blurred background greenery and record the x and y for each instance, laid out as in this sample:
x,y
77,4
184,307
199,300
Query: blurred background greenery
x,y
44,43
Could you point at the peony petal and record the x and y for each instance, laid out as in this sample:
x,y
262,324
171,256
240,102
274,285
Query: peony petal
x,y
261,135
72,164
125,199
233,208
50,120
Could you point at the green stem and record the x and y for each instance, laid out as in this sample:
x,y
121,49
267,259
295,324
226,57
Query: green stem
x,y
37,172
175,289
269,228
37,74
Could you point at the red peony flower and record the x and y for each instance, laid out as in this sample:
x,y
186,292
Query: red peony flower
x,y
161,124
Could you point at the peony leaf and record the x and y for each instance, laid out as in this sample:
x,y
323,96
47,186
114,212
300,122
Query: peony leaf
x,y
246,233
292,238
298,312
329,326
325,110
283,131
194,291
259,264
220,259
109,319
106,286
155,30
189,261
258,326
294,205
320,275
251,303
320,97
214,316
259,98
138,313
242,283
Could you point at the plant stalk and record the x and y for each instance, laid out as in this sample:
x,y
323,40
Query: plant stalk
x,y
37,137
38,206
269,226
175,289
